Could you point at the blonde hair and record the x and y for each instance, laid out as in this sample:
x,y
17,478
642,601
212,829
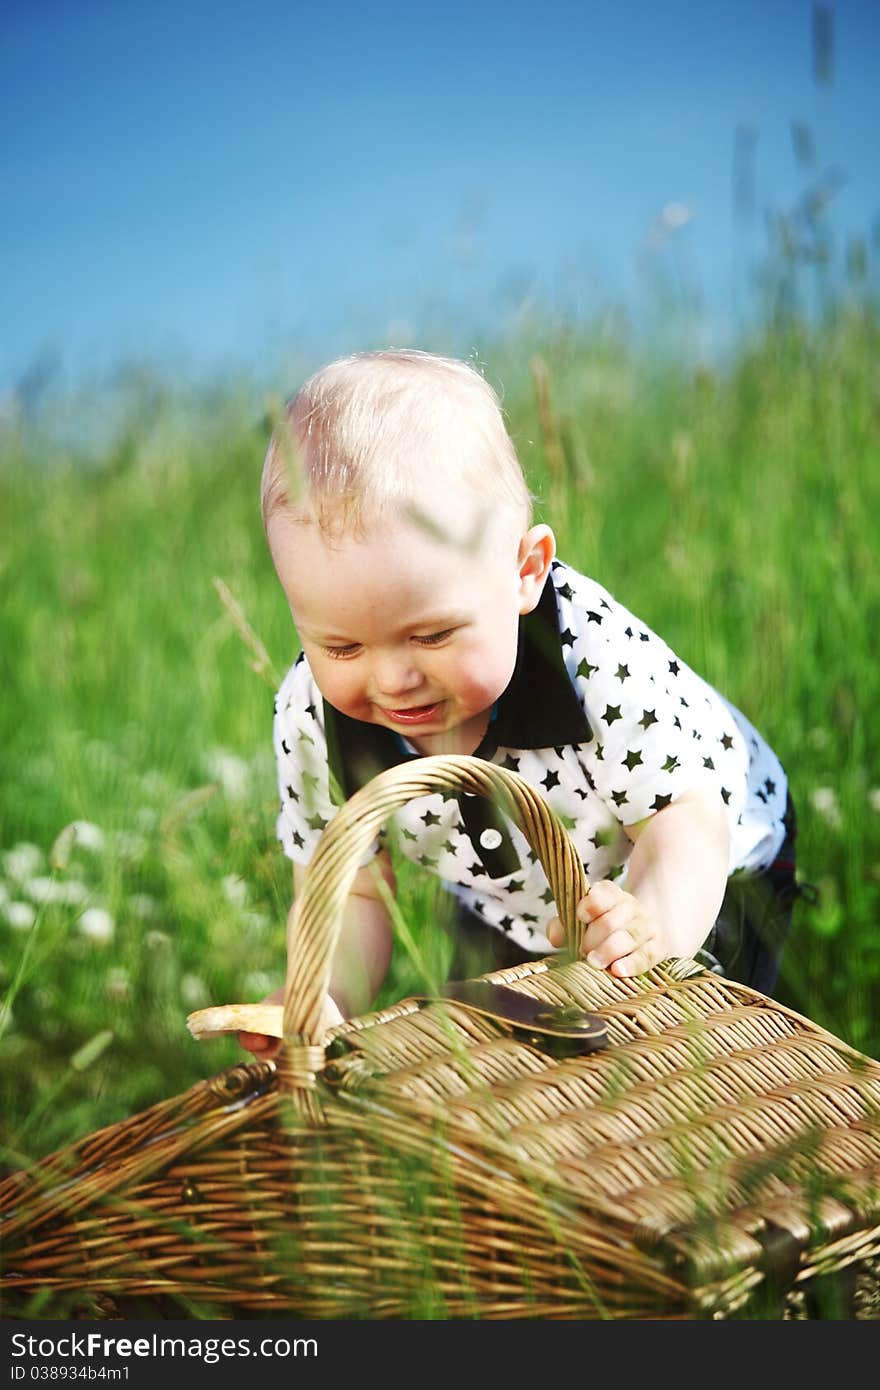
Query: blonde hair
x,y
358,435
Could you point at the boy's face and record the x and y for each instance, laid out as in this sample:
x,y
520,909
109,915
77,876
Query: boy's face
x,y
409,629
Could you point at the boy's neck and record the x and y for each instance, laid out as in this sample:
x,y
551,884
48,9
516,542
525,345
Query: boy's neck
x,y
466,738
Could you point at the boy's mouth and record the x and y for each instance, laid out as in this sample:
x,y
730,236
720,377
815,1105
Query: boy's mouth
x,y
416,714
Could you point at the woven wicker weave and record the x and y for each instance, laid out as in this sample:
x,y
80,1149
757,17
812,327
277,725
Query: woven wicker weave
x,y
429,1161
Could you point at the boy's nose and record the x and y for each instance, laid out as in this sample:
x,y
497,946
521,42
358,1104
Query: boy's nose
x,y
395,677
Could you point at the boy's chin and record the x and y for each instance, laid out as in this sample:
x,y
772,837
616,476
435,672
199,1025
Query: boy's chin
x,y
446,736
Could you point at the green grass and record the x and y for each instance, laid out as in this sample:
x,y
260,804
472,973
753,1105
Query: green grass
x,y
736,512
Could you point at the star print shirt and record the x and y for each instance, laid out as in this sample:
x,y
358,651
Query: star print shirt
x,y
600,715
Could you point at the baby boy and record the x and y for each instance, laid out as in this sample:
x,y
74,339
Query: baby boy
x,y
434,617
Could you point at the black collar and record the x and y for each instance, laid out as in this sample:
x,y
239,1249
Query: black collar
x,y
538,709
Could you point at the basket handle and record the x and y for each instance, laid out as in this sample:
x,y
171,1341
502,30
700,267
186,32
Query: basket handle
x,y
316,921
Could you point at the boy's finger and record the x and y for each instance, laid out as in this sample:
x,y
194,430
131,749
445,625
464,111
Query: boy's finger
x,y
599,898
643,958
618,946
257,1043
555,932
622,915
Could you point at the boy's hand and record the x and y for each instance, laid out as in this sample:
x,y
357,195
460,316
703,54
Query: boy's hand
x,y
265,1048
262,1047
621,937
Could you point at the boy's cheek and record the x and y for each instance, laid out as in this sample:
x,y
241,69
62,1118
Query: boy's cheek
x,y
336,686
482,678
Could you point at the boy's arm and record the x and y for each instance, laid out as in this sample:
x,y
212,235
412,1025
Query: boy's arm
x,y
676,877
363,952
678,870
362,955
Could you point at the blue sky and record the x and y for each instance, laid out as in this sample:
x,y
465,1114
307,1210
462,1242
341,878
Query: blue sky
x,y
211,184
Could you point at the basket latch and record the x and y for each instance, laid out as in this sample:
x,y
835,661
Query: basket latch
x,y
782,1257
562,1030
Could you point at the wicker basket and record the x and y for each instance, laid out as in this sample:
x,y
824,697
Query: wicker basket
x,y
433,1160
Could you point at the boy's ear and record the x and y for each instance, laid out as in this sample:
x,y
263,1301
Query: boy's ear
x,y
536,550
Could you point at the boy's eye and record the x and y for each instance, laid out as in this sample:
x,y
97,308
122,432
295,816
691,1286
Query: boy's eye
x,y
348,650
433,637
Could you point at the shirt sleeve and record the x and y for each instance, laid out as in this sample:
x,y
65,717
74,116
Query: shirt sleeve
x,y
302,766
660,730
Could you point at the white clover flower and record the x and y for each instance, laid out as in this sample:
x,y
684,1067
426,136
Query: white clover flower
x,y
56,890
23,861
78,832
824,801
20,915
874,799
97,924
44,890
231,771
147,819
142,905
235,890
194,991
88,835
